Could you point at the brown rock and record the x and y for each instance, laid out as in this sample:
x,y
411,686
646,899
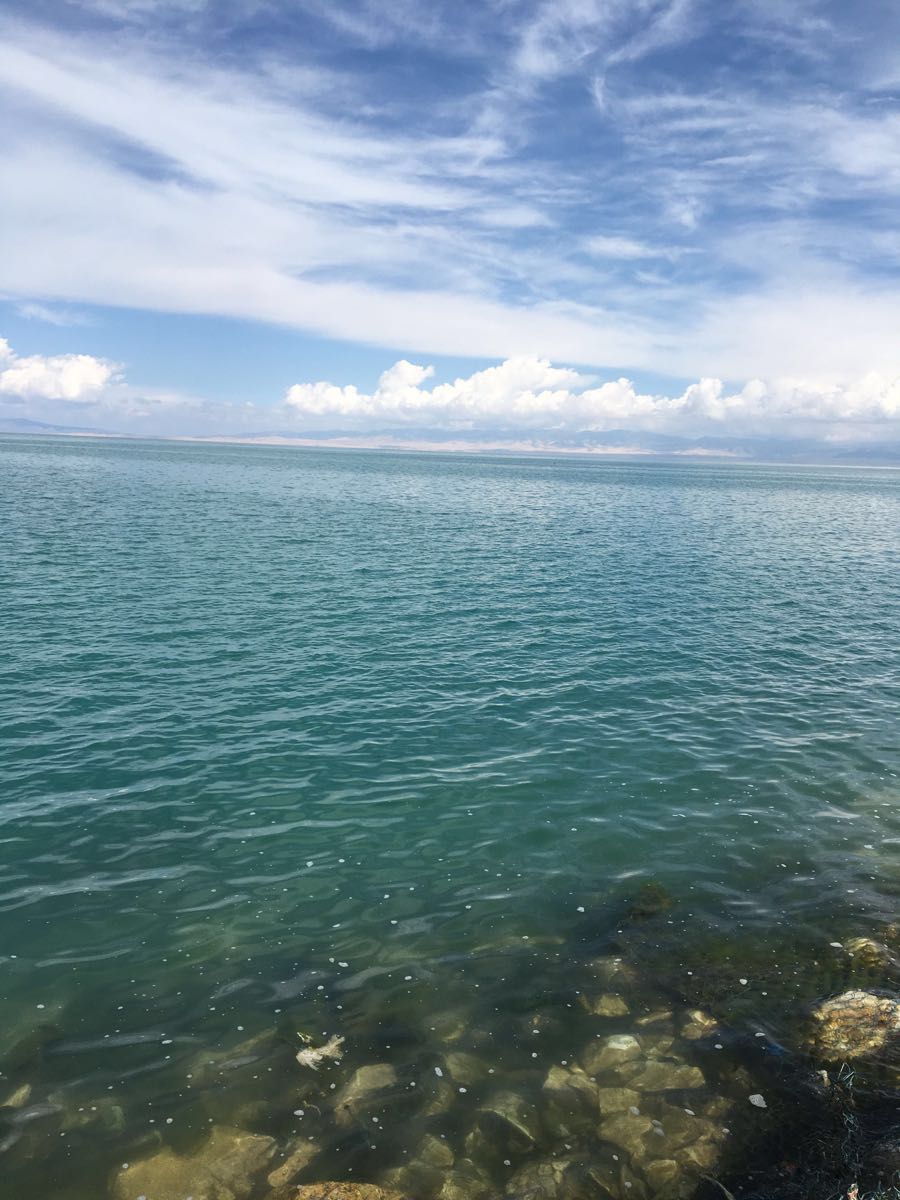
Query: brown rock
x,y
698,1025
608,1004
613,1100
610,1052
869,955
296,1160
226,1167
366,1087
466,1182
466,1069
660,1075
853,1025
341,1191
627,1130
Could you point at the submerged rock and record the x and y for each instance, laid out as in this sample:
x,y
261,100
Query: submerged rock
x,y
19,1098
614,1100
853,1025
602,1055
28,1049
505,1123
663,1176
698,1024
412,1179
659,1046
450,1026
662,1075
539,1180
570,1101
226,1167
466,1182
869,955
678,1129
296,1159
433,1152
437,1095
467,1069
658,1017
340,1191
364,1088
103,1115
627,1131
613,972
649,900
209,1066
609,1004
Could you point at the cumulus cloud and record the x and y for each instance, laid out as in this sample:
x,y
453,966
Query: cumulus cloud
x,y
71,377
530,394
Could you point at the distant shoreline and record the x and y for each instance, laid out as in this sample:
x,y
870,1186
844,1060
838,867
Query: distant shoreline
x,y
480,449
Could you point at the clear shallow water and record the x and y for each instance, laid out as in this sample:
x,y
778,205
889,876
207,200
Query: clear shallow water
x,y
267,712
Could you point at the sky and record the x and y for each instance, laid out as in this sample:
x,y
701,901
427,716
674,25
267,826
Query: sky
x,y
512,218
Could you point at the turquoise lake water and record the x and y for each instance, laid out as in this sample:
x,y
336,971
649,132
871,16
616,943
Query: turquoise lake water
x,y
385,744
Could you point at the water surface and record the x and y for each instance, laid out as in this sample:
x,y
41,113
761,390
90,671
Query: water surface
x,y
369,742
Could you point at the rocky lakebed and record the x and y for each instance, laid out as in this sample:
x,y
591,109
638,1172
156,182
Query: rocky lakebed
x,y
616,1075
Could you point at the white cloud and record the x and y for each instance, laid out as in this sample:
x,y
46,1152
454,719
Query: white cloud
x,y
71,377
145,176
32,311
525,396
604,246
528,393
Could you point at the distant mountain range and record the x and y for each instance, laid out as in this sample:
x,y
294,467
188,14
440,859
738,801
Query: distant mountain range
x,y
20,425
622,442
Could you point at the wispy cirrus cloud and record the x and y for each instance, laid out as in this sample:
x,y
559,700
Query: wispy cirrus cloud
x,y
713,215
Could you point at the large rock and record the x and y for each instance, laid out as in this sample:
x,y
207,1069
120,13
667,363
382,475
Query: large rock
x,y
291,1164
466,1182
571,1088
678,1130
410,1179
210,1068
366,1087
539,1180
607,1004
341,1191
613,1099
853,1025
465,1069
698,1024
609,1053
18,1098
433,1152
869,955
663,1175
506,1124
226,1167
661,1075
612,971
569,1101
627,1131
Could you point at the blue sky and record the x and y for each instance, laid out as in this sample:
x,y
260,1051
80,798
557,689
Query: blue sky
x,y
674,215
